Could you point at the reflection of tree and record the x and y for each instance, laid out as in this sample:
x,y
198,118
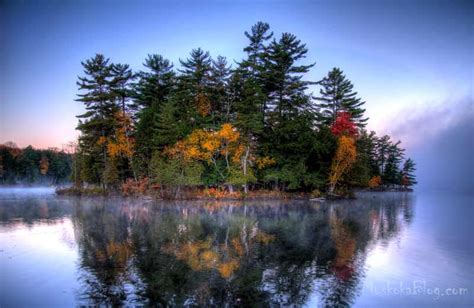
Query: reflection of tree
x,y
102,237
232,253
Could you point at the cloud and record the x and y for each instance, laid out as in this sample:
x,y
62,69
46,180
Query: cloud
x,y
421,124
440,139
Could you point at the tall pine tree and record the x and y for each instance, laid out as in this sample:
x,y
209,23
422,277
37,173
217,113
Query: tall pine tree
x,y
288,131
337,95
155,84
408,173
97,123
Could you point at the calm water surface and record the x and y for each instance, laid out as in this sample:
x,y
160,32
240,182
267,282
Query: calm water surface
x,y
384,249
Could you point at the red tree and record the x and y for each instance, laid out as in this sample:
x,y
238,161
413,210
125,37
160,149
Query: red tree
x,y
343,125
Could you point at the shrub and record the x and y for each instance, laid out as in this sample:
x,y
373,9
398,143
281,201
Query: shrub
x,y
132,187
375,181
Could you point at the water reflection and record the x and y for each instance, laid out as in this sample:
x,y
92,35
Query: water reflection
x,y
189,253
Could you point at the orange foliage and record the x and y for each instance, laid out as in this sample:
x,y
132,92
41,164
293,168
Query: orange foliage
x,y
217,193
202,255
102,140
265,161
375,181
132,187
343,160
203,104
226,269
208,145
44,165
239,249
121,143
117,252
344,242
265,238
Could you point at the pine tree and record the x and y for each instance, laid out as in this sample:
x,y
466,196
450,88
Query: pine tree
x,y
391,174
408,176
284,78
120,84
289,120
252,69
337,95
220,96
382,146
196,71
154,85
247,97
365,166
97,123
194,90
153,90
159,126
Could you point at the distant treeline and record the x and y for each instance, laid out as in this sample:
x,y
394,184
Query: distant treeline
x,y
33,166
253,125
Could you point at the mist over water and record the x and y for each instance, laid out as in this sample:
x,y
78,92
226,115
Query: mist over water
x,y
440,140
397,248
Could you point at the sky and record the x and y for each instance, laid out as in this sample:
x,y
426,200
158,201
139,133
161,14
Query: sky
x,y
411,61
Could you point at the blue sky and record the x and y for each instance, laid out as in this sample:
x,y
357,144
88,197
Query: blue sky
x,y
407,59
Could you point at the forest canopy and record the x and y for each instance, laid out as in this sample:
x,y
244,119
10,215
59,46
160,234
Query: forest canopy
x,y
33,166
241,125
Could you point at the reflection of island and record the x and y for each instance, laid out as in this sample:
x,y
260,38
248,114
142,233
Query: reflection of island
x,y
216,253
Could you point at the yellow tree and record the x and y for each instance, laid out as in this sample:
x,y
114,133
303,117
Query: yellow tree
x,y
210,146
121,144
342,161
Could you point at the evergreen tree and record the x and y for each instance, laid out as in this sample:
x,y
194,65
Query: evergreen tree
x,y
152,92
408,176
247,85
391,175
97,123
337,95
382,146
281,140
194,90
121,86
28,163
365,166
252,69
285,86
289,120
246,95
220,96
154,85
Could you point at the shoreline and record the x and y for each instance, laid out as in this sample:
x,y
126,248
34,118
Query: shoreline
x,y
200,195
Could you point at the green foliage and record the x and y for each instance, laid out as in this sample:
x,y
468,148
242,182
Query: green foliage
x,y
174,172
111,173
25,165
337,95
154,85
265,102
236,176
391,174
407,173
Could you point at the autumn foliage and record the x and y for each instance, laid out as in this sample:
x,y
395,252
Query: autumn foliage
x,y
344,158
132,187
375,181
121,143
44,165
343,125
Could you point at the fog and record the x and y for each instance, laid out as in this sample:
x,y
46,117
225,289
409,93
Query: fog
x,y
440,140
19,191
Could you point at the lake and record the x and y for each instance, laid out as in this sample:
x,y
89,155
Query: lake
x,y
383,249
